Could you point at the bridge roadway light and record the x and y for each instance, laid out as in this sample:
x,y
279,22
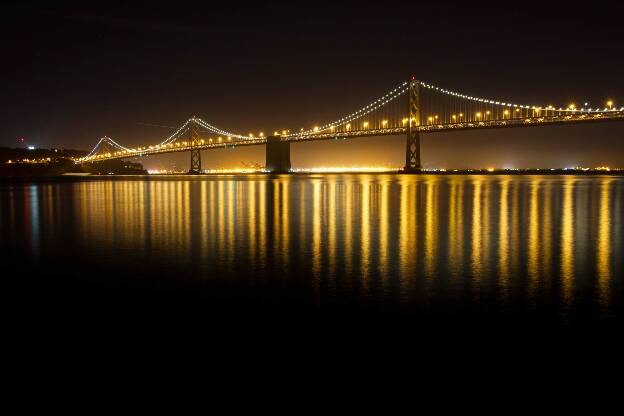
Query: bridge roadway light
x,y
365,124
348,126
384,123
316,128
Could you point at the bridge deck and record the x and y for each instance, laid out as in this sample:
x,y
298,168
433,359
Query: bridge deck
x,y
425,129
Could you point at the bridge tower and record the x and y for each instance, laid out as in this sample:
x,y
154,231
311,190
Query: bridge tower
x,y
277,155
195,151
412,145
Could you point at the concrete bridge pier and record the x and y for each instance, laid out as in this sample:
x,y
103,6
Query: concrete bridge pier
x,y
277,155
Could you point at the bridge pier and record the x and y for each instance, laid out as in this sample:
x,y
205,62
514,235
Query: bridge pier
x,y
412,153
195,162
277,155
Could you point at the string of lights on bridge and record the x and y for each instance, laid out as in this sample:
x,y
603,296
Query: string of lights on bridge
x,y
344,121
570,108
385,115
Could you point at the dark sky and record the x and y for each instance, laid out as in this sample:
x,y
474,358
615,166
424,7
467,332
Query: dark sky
x,y
73,72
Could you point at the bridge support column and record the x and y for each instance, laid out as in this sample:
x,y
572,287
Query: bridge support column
x,y
277,155
195,162
412,153
412,145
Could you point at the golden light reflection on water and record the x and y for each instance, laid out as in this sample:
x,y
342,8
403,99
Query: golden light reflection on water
x,y
567,241
546,244
533,243
603,246
316,230
285,221
456,228
375,235
476,263
431,232
409,217
503,241
365,234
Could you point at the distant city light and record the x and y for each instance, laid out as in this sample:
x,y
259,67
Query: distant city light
x,y
31,147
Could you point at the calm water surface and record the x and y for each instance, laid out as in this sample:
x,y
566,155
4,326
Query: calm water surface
x,y
517,247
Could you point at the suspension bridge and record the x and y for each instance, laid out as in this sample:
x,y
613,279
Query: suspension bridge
x,y
412,108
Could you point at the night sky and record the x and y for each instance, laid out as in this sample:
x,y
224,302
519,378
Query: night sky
x,y
73,72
